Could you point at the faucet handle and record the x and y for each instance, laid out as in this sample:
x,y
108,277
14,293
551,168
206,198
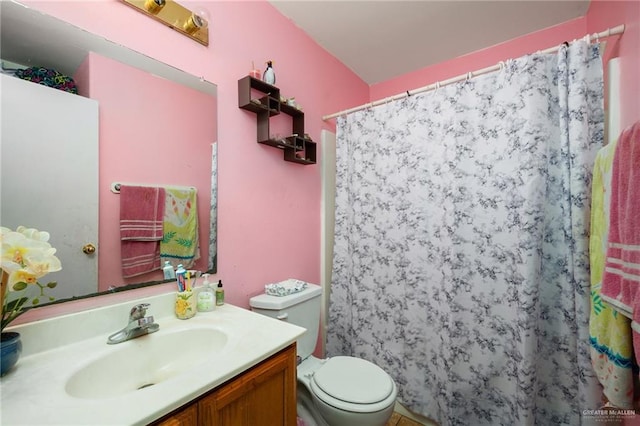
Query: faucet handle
x,y
143,322
138,311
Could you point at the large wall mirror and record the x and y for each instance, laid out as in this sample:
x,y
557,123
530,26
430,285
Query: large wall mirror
x,y
136,121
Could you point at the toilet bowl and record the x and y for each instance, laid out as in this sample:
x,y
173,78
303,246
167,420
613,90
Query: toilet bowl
x,y
348,391
337,391
308,414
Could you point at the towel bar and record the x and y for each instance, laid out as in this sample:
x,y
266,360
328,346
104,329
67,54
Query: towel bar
x,y
115,186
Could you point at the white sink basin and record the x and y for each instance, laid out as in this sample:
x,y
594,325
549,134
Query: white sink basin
x,y
145,361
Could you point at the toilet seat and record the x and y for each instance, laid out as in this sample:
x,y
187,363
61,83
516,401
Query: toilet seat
x,y
353,384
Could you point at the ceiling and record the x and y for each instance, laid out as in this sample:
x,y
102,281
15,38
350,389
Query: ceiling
x,y
380,40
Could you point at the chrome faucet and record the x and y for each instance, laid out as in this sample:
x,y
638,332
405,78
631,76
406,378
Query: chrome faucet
x,y
138,325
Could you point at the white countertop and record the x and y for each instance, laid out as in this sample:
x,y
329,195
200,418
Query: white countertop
x,y
33,393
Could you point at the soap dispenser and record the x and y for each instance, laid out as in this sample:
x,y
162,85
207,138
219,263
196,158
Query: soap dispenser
x,y
206,296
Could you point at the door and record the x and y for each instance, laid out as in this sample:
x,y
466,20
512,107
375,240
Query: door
x,y
49,175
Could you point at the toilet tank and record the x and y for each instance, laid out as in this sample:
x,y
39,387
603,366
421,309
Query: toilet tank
x,y
301,309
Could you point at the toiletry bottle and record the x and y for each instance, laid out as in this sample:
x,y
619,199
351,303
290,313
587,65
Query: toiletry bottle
x,y
219,294
206,297
269,75
168,271
181,278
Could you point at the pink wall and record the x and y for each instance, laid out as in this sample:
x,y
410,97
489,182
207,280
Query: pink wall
x,y
269,210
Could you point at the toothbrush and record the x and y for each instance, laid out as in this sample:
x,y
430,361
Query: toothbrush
x,y
195,274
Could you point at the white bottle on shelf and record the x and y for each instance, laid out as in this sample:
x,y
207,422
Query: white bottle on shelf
x,y
269,75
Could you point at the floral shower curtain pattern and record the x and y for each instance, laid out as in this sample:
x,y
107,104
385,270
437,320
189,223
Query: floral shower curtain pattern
x,y
461,242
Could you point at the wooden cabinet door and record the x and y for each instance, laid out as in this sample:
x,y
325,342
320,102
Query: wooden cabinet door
x,y
265,395
185,417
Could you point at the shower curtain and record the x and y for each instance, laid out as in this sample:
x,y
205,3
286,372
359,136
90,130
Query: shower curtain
x,y
461,242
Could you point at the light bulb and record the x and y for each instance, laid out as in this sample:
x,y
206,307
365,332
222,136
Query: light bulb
x,y
202,17
199,19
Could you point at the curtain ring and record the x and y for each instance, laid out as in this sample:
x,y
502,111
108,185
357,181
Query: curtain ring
x,y
435,90
502,65
608,32
469,75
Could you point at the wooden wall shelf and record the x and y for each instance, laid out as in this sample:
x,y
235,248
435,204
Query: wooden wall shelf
x,y
297,147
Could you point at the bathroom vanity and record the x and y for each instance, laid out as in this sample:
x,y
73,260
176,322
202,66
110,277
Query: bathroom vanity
x,y
263,395
226,367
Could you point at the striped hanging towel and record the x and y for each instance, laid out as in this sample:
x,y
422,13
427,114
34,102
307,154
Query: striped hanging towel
x,y
141,222
622,268
621,281
609,331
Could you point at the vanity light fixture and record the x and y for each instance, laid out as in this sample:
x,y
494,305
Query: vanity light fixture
x,y
194,24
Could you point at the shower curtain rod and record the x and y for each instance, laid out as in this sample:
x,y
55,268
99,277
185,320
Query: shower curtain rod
x,y
606,33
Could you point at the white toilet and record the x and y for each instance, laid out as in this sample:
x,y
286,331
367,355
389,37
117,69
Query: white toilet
x,y
346,391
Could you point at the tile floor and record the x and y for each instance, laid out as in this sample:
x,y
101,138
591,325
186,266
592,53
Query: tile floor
x,y
400,420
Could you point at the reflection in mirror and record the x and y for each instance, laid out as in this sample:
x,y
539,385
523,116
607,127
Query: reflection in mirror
x,y
136,121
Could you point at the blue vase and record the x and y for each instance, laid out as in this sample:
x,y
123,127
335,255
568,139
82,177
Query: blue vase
x,y
10,350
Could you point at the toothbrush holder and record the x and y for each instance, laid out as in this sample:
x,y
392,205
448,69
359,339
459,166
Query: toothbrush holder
x,y
185,306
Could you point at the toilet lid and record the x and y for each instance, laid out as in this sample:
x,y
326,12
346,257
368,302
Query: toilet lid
x,y
353,380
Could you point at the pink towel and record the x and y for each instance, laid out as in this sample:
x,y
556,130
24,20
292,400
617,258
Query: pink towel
x,y
141,213
140,257
621,279
141,221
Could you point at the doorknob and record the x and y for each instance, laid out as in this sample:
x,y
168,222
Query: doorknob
x,y
89,249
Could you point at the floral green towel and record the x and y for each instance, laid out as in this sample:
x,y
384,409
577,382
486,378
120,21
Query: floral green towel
x,y
180,226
